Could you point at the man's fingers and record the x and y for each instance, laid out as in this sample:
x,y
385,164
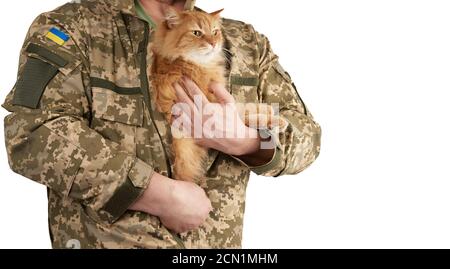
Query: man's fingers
x,y
181,94
184,126
194,91
183,108
221,93
184,98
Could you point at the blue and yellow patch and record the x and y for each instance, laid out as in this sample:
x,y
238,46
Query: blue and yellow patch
x,y
57,36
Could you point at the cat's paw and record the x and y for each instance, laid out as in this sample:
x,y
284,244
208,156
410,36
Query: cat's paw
x,y
263,121
261,116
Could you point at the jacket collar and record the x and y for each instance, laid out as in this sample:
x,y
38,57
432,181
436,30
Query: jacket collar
x,y
128,7
124,6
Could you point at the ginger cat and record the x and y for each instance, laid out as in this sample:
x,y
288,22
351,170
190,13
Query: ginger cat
x,y
188,44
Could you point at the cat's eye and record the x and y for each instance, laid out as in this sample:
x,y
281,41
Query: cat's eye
x,y
215,32
197,33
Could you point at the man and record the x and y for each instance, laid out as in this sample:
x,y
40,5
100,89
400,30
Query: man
x,y
84,124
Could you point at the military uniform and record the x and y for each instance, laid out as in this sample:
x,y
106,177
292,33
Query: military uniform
x,y
83,123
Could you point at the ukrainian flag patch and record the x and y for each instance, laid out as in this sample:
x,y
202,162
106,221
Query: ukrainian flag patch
x,y
57,36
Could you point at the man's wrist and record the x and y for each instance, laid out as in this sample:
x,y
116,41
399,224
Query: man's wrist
x,y
249,145
255,154
156,196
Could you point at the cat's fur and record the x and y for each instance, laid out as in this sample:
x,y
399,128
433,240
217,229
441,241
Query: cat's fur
x,y
180,51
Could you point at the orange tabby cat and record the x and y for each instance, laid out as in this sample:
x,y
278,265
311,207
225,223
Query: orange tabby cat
x,y
190,44
187,43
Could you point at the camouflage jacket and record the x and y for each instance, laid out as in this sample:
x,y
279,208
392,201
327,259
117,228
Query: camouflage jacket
x,y
82,122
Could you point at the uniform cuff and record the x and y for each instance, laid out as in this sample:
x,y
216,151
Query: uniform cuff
x,y
274,163
135,184
270,166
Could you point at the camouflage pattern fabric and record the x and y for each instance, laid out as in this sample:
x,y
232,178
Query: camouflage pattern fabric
x,y
95,138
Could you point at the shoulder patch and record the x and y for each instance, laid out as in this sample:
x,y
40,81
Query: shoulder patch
x,y
57,36
32,83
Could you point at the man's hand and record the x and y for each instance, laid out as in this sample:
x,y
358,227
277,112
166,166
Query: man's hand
x,y
188,209
181,206
215,125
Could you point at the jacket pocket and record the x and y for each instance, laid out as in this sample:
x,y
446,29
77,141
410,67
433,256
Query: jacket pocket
x,y
121,108
117,116
245,89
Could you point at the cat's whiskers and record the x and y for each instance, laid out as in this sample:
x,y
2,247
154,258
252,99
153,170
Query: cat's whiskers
x,y
227,60
227,55
227,50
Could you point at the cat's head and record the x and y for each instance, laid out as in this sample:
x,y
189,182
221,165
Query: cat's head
x,y
193,35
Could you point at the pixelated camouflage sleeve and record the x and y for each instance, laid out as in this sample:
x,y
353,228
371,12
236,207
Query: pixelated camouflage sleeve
x,y
299,145
47,133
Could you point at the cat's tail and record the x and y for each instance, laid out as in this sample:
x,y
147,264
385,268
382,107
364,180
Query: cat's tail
x,y
189,159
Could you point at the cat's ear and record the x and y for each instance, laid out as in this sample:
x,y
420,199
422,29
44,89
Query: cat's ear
x,y
216,13
172,17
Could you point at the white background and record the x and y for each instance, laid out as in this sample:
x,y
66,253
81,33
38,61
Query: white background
x,y
375,74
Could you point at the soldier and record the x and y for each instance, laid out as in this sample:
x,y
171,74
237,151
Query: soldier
x,y
83,123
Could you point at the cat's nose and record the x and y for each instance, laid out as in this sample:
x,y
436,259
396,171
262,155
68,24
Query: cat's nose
x,y
212,43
